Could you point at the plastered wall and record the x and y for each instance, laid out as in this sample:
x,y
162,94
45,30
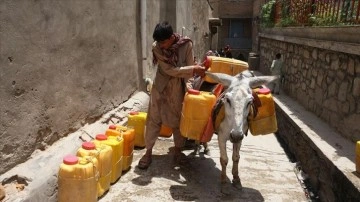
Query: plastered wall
x,y
65,63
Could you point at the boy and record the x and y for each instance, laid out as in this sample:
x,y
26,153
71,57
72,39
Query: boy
x,y
276,70
175,59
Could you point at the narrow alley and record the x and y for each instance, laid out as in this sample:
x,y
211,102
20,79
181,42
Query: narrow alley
x,y
265,171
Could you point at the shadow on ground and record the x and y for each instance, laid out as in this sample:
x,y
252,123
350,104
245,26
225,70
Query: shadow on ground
x,y
197,180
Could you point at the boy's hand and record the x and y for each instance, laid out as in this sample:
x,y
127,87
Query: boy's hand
x,y
198,70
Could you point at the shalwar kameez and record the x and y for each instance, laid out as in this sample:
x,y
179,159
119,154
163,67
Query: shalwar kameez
x,y
174,69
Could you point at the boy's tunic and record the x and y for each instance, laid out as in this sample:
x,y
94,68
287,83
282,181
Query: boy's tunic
x,y
168,93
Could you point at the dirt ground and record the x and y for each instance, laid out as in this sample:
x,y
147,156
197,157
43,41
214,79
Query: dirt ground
x,y
265,171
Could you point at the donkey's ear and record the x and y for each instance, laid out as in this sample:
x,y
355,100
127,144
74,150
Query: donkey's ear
x,y
261,80
224,79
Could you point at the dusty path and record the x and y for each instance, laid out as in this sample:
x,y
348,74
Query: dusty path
x,y
265,172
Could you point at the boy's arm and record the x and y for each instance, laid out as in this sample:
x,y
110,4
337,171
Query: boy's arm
x,y
183,72
189,83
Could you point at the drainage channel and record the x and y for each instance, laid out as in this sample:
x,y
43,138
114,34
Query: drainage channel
x,y
301,176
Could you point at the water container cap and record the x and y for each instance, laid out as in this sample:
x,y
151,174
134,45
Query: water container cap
x,y
101,137
264,91
113,127
193,92
88,145
133,113
70,160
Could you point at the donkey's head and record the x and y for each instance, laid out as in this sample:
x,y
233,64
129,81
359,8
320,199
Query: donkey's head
x,y
237,100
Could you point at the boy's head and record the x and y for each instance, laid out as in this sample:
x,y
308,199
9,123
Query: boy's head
x,y
278,56
162,31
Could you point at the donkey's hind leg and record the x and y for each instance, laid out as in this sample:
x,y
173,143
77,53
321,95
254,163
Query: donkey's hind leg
x,y
206,148
196,147
235,169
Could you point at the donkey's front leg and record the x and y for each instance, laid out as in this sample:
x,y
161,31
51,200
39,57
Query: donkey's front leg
x,y
235,169
223,159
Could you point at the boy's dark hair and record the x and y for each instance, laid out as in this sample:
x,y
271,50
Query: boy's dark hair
x,y
278,56
162,31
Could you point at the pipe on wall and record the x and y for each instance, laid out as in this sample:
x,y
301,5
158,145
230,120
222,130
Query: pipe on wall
x,y
148,81
143,37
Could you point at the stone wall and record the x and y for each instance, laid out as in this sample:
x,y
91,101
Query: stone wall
x,y
325,81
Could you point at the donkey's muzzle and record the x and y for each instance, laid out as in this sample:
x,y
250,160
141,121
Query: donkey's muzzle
x,y
236,136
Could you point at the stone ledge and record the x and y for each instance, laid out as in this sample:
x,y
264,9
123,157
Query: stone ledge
x,y
345,47
42,168
345,34
326,156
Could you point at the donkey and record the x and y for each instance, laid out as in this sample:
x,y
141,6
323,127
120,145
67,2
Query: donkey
x,y
237,101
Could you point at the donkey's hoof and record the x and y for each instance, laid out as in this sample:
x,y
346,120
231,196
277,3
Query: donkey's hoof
x,y
237,184
207,151
196,152
225,189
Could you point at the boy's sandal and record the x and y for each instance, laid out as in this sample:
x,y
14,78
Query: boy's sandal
x,y
145,162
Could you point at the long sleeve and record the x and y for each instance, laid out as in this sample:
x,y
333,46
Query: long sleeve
x,y
185,71
165,71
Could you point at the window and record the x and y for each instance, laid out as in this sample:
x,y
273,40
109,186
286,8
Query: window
x,y
236,29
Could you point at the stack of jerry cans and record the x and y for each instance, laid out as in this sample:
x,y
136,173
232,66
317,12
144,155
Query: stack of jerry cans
x,y
224,65
195,114
137,121
128,134
165,131
77,179
103,153
117,145
265,120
